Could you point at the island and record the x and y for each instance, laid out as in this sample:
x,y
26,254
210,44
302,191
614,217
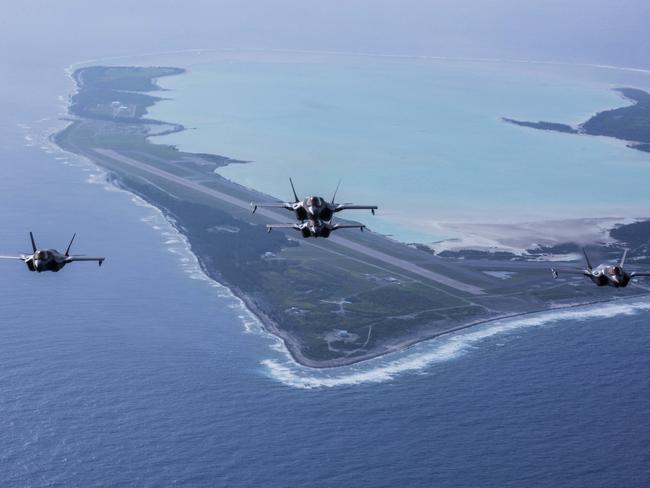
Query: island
x,y
333,302
630,124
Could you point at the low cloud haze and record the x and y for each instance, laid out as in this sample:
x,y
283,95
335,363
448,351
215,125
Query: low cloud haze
x,y
595,31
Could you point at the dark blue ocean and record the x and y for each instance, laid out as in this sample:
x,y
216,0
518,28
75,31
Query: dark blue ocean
x,y
143,373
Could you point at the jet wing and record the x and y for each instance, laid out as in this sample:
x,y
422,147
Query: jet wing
x,y
22,258
288,206
639,273
270,227
349,206
348,226
556,271
283,226
99,260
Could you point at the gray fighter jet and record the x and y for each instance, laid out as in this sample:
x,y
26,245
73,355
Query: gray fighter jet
x,y
604,274
313,207
315,227
50,259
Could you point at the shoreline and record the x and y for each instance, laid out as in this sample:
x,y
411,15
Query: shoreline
x,y
291,346
605,123
291,343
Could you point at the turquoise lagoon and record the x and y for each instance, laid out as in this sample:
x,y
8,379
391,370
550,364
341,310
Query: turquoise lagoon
x,y
421,137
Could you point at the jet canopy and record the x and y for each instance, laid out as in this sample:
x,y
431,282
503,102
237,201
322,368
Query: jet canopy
x,y
314,201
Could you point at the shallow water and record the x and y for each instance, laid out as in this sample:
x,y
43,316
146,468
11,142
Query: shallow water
x,y
430,127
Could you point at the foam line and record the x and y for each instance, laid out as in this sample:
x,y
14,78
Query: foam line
x,y
436,350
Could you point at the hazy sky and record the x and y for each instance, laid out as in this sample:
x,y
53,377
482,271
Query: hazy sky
x,y
599,31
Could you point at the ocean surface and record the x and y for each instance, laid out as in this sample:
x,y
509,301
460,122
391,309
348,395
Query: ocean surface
x,y
430,127
144,373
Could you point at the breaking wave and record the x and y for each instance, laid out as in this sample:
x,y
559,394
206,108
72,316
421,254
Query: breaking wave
x,y
437,350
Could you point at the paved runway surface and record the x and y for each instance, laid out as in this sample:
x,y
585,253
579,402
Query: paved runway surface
x,y
274,217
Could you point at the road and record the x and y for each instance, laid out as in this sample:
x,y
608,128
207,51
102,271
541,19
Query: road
x,y
274,217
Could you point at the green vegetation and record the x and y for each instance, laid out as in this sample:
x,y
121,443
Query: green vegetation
x,y
98,78
628,123
543,125
631,123
108,92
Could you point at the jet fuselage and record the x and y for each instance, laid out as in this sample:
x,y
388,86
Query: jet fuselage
x,y
316,228
46,260
605,275
314,208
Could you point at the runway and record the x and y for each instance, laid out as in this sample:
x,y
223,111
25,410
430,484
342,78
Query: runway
x,y
277,218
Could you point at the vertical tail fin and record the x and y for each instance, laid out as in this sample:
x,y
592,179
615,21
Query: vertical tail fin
x,y
67,251
31,236
623,259
584,251
295,195
336,191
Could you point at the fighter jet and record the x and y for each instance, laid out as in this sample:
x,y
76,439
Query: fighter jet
x,y
315,227
604,275
50,259
313,207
